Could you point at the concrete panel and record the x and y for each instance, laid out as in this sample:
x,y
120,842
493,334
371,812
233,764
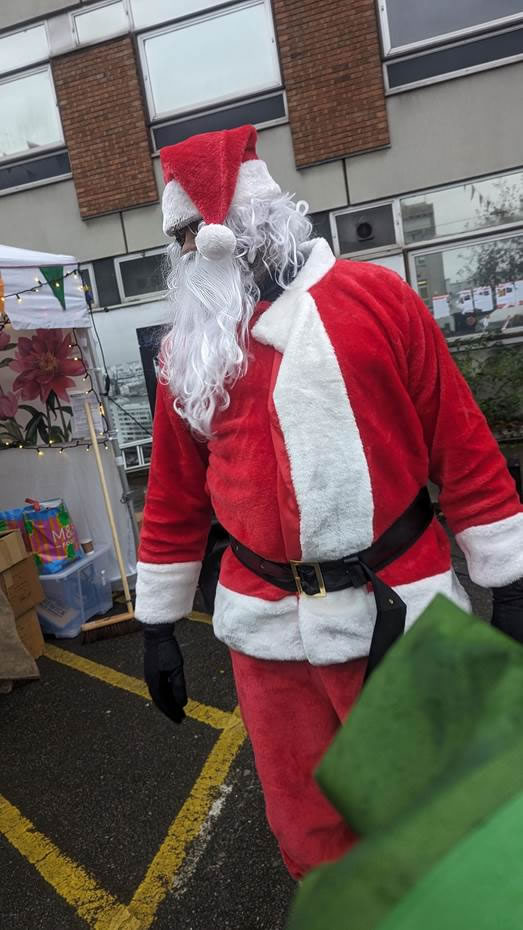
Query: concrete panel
x,y
323,186
143,226
18,11
47,218
445,132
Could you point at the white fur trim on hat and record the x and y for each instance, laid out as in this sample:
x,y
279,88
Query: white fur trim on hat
x,y
177,208
215,241
254,181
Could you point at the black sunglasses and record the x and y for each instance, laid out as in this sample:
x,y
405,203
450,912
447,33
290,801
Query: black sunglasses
x,y
180,234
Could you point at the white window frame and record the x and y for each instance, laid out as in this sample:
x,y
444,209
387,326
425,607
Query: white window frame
x,y
447,75
216,101
136,298
445,246
446,38
41,149
31,64
376,251
137,444
76,14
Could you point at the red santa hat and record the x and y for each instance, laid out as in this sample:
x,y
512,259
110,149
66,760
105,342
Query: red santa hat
x,y
205,176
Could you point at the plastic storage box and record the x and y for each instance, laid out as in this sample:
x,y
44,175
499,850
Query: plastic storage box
x,y
75,594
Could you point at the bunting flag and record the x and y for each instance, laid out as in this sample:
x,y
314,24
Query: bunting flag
x,y
428,770
54,275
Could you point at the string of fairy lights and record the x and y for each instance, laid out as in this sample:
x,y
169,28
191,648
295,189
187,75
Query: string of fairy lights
x,y
60,447
56,282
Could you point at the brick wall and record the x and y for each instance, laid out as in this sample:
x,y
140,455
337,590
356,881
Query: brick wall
x,y
331,63
103,116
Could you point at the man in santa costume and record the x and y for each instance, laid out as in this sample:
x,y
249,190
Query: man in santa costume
x,y
307,401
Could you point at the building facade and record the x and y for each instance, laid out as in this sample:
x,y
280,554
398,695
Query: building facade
x,y
399,121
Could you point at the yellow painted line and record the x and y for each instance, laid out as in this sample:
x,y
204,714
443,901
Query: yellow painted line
x,y
187,825
201,618
212,716
74,884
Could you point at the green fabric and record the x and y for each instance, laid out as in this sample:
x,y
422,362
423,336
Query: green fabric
x,y
54,275
433,748
478,886
446,701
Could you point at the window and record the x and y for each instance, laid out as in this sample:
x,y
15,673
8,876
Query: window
x,y
221,56
101,22
141,275
463,208
29,116
23,48
261,111
33,171
150,12
88,282
366,229
407,23
475,286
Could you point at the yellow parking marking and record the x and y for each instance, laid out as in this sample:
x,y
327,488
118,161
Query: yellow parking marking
x,y
201,618
212,716
187,825
97,907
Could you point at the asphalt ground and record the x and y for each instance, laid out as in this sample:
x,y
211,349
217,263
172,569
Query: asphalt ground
x,y
112,817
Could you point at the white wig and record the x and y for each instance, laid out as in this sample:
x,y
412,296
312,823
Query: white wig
x,y
206,350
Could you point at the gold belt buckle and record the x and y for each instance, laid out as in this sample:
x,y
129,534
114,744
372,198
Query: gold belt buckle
x,y
297,580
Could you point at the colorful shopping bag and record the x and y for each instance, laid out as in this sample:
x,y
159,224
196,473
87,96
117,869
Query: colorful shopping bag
x,y
52,535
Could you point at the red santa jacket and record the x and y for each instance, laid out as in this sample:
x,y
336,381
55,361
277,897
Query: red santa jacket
x,y
351,403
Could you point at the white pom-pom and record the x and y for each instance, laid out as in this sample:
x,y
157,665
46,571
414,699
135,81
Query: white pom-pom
x,y
215,241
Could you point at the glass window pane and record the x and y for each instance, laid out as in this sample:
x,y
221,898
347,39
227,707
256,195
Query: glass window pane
x,y
23,48
20,173
462,209
149,12
143,275
238,51
475,287
100,23
28,114
452,59
418,20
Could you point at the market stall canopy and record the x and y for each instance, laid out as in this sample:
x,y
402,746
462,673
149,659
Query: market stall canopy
x,y
39,290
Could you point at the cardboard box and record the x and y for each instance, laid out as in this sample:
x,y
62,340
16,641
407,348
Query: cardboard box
x,y
30,632
12,548
21,585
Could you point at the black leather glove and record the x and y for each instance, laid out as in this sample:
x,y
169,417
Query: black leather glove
x,y
163,670
507,609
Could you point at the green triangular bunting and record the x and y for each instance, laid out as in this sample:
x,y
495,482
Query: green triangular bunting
x,y
54,275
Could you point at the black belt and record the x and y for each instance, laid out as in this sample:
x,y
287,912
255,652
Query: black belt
x,y
316,579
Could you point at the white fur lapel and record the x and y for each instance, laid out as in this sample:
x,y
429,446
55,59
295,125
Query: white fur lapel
x,y
274,326
328,465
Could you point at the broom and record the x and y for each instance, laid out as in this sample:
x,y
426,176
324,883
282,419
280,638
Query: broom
x,y
117,624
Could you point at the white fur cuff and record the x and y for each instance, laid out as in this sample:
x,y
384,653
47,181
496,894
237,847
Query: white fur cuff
x,y
165,593
494,552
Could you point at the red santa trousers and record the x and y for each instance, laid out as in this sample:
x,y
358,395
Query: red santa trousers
x,y
292,711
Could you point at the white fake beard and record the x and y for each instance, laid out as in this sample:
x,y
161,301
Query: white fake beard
x,y
206,349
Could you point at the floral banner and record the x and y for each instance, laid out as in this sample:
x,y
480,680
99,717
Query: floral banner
x,y
37,370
